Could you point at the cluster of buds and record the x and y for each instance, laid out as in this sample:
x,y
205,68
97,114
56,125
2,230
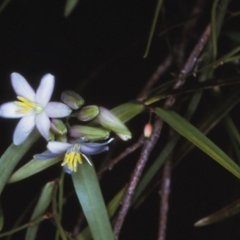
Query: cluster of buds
x,y
85,136
98,115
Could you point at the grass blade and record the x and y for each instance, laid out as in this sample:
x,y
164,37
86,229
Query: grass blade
x,y
191,133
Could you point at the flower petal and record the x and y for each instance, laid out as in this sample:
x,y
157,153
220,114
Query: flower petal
x,y
10,110
66,169
23,129
45,156
94,148
45,89
58,147
43,124
57,110
21,87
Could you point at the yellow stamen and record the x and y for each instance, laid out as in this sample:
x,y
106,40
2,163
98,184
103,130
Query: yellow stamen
x,y
72,157
27,106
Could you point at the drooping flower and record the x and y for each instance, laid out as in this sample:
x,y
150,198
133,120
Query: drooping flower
x,y
32,107
73,152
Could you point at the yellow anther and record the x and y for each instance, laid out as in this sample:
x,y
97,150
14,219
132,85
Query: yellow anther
x,y
27,106
72,157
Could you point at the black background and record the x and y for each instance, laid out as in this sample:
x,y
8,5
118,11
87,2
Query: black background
x,y
97,51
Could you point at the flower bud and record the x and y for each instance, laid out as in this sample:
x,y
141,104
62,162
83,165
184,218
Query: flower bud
x,y
88,113
58,127
109,121
90,133
147,130
51,136
72,99
61,138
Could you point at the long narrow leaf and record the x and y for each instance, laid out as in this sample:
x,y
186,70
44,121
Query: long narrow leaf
x,y
211,119
234,136
226,212
111,208
32,167
128,110
1,218
41,206
213,25
12,156
188,131
153,27
69,7
90,197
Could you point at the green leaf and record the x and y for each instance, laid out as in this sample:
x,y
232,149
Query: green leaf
x,y
234,136
214,30
1,217
127,111
4,5
212,118
190,132
32,167
153,27
12,156
69,7
226,212
41,206
90,197
111,208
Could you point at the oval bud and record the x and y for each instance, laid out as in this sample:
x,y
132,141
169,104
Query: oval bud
x,y
51,136
72,99
88,113
88,133
62,138
109,121
147,130
58,127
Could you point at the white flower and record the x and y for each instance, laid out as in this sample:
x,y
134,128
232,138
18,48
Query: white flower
x,y
73,152
33,108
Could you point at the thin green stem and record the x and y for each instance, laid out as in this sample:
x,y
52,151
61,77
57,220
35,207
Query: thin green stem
x,y
26,225
56,216
214,30
60,200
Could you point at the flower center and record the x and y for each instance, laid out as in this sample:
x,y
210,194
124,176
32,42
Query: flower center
x,y
72,157
27,106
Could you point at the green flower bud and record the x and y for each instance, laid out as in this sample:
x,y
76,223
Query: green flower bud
x,y
109,121
58,127
72,99
61,138
90,133
88,113
51,136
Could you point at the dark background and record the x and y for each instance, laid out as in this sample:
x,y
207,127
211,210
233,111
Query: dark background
x,y
98,52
